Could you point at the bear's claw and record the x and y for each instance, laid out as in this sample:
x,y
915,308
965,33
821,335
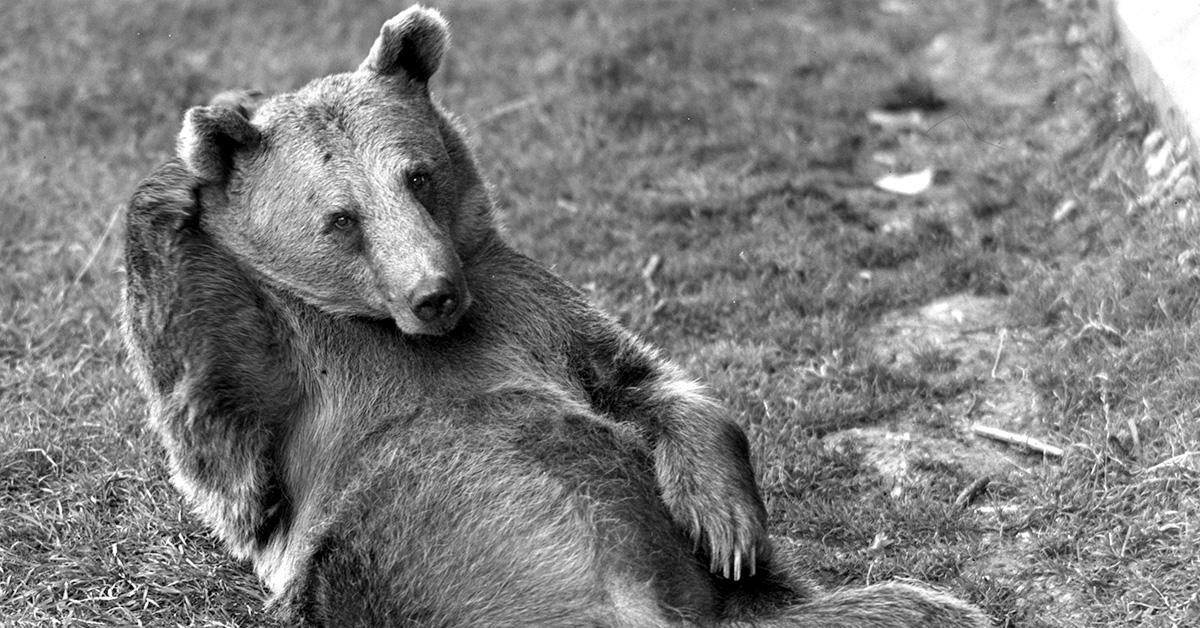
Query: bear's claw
x,y
731,534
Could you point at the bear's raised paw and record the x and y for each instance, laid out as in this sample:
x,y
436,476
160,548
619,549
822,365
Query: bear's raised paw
x,y
725,520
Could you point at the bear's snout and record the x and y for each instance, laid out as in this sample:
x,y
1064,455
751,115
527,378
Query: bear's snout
x,y
436,300
424,291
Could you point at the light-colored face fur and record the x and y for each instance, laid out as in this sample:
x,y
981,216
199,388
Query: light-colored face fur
x,y
354,193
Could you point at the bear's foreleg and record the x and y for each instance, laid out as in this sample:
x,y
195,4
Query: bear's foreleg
x,y
701,457
211,360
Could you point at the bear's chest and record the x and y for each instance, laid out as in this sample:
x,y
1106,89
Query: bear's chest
x,y
371,369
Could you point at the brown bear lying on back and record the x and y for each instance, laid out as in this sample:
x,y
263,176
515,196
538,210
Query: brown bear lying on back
x,y
402,421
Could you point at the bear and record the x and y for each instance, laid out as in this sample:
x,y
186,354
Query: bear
x,y
399,419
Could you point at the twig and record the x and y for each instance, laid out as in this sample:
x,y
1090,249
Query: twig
x,y
1187,460
1137,439
999,352
1013,438
507,108
39,450
112,221
66,290
648,272
973,490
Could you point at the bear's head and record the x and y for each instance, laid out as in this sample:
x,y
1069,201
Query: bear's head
x,y
355,193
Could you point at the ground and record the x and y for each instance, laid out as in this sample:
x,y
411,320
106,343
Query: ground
x,y
706,171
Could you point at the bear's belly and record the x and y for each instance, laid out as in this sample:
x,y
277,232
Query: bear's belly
x,y
528,519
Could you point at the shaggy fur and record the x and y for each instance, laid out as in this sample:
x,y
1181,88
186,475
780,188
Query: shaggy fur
x,y
515,458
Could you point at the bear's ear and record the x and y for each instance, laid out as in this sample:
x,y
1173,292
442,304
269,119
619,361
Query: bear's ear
x,y
412,42
208,139
243,101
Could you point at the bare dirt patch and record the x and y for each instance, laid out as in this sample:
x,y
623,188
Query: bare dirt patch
x,y
967,336
964,337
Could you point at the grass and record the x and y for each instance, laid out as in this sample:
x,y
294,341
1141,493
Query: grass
x,y
731,140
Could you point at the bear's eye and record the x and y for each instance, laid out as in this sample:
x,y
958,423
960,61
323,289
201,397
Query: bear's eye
x,y
342,222
417,180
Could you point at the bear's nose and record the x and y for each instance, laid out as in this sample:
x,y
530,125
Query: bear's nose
x,y
433,298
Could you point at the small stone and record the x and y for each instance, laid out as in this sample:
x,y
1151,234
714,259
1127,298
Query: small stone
x,y
1156,163
1185,187
1183,149
1065,211
1153,140
1177,172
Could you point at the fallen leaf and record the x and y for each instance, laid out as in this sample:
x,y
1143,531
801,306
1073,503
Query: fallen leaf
x,y
896,120
879,543
907,184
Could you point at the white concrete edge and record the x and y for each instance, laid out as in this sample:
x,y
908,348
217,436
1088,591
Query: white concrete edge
x,y
1160,41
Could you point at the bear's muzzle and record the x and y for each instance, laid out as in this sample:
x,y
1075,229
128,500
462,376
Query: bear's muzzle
x,y
434,298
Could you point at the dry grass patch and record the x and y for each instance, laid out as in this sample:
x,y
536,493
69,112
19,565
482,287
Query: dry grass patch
x,y
735,143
